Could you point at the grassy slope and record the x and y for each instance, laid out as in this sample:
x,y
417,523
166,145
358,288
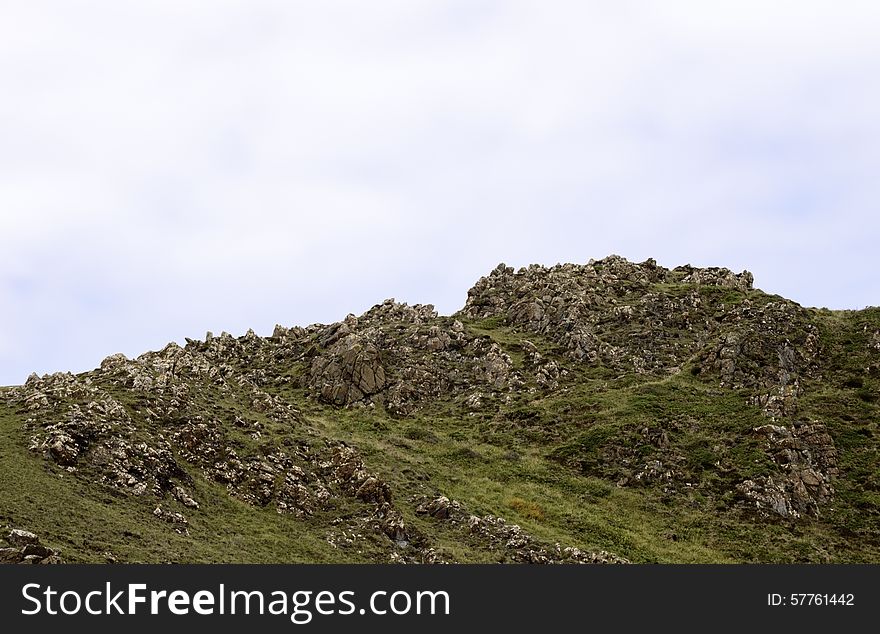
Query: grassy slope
x,y
547,462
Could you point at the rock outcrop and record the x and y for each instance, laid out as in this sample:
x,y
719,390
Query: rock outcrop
x,y
807,458
25,548
610,312
400,357
510,541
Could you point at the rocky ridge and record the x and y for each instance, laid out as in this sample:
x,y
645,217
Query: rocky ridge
x,y
219,408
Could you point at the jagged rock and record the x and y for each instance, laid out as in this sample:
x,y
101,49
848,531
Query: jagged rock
x,y
351,372
184,498
63,448
373,490
170,516
392,524
475,401
346,469
714,276
655,470
440,507
874,344
37,550
547,372
521,547
19,537
272,479
27,549
768,496
775,349
10,555
515,544
582,306
495,367
401,357
52,559
807,458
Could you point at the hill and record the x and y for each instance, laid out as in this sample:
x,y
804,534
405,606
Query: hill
x,y
604,412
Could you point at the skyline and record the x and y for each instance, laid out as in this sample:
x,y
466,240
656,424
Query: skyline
x,y
169,168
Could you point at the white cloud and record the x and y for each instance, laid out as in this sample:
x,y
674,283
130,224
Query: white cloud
x,y
169,167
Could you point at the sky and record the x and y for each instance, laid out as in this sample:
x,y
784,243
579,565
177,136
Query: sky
x,y
173,167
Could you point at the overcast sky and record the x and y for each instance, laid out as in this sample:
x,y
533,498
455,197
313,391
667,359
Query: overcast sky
x,y
172,167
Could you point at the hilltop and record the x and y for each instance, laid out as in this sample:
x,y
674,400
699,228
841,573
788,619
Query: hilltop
x,y
602,412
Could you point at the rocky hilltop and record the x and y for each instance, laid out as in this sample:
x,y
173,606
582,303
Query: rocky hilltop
x,y
605,412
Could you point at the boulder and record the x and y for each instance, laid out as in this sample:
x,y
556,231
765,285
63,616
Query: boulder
x,y
18,537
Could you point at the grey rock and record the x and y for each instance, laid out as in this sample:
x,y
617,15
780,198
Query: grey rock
x,y
19,537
